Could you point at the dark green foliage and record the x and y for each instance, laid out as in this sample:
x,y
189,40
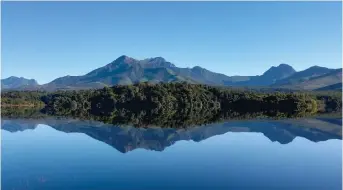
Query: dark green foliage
x,y
23,112
22,98
168,103
167,98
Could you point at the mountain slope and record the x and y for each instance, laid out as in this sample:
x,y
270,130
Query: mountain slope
x,y
126,70
337,86
330,78
267,78
18,83
303,75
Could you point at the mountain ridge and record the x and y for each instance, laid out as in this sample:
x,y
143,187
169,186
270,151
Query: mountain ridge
x,y
17,82
334,76
126,70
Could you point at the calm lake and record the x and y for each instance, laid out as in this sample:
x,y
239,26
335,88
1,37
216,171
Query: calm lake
x,y
69,154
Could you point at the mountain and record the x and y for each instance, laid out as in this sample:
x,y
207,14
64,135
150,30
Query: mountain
x,y
332,77
18,83
277,73
267,78
126,70
303,75
128,138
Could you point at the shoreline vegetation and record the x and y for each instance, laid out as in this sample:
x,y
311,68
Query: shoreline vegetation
x,y
172,104
122,118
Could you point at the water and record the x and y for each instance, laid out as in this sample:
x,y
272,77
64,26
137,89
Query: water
x,y
70,154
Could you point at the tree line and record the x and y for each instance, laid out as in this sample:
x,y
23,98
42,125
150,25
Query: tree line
x,y
168,101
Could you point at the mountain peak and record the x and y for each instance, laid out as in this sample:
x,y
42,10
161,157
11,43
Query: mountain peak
x,y
124,59
18,78
157,62
281,66
279,72
284,65
197,68
315,70
13,77
158,59
13,82
315,66
318,67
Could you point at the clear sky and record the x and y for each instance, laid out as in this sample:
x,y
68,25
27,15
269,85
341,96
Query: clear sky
x,y
46,40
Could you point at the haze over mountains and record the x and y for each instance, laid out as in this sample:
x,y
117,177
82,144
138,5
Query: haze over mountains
x,y
126,70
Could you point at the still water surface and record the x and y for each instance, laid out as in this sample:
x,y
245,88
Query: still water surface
x,y
70,154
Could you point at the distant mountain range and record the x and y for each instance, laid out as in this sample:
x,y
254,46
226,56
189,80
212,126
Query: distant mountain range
x,y
129,138
17,83
126,70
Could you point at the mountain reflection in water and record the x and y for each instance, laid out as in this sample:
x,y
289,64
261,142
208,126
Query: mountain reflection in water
x,y
128,138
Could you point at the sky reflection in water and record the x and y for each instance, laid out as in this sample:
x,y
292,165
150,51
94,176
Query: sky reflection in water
x,y
71,154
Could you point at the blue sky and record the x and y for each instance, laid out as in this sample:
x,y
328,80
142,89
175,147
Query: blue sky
x,y
46,40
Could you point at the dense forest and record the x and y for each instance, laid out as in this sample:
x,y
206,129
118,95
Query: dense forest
x,y
168,102
22,99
